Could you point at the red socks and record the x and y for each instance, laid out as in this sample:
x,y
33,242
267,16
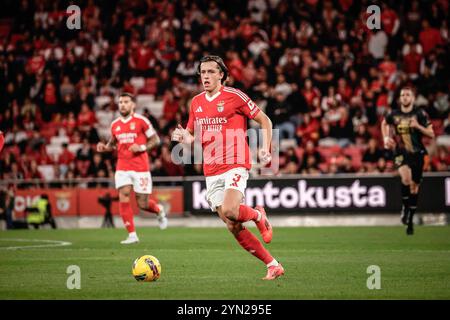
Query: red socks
x,y
247,213
126,212
249,242
153,206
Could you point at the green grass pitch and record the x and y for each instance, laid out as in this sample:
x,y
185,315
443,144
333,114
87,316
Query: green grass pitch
x,y
207,263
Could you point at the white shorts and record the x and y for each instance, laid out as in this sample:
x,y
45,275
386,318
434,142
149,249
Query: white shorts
x,y
216,185
141,181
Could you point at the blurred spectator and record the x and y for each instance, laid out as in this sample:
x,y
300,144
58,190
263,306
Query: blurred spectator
x,y
65,159
441,161
429,37
314,67
412,61
447,124
372,155
66,88
187,69
308,130
86,123
7,195
257,45
377,44
291,165
309,92
171,106
362,136
169,167
280,111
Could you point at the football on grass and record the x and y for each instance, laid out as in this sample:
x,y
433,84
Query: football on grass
x,y
146,268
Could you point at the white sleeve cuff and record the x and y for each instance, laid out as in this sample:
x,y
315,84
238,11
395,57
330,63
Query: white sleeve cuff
x,y
150,132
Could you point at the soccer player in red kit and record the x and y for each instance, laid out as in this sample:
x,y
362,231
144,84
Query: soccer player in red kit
x,y
219,116
133,135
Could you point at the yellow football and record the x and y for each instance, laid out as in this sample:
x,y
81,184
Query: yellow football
x,y
146,268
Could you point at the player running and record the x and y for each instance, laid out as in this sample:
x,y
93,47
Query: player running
x,y
133,135
218,113
410,125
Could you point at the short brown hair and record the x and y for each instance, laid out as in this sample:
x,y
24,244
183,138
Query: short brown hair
x,y
127,94
223,68
410,88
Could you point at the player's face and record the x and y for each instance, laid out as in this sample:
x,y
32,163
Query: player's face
x,y
211,75
406,98
125,106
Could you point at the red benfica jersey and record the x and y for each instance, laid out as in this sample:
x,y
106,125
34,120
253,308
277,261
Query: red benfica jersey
x,y
221,122
134,129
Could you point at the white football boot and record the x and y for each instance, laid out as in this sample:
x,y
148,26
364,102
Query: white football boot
x,y
132,238
162,217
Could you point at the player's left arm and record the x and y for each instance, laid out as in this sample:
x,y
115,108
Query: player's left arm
x,y
153,139
423,124
266,126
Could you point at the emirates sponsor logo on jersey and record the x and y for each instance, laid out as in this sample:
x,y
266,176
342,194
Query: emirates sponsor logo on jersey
x,y
211,124
214,120
126,137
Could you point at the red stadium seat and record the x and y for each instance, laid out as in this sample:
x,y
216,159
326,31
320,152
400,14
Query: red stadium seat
x,y
356,154
299,153
5,27
328,152
150,87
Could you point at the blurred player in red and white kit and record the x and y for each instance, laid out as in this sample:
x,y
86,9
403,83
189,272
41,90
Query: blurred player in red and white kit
x,y
132,135
216,115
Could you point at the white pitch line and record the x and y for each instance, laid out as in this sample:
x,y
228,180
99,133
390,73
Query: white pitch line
x,y
51,243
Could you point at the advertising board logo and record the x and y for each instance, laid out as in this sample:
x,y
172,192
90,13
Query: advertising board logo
x,y
305,196
63,201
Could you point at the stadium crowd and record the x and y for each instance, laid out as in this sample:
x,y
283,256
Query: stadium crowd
x,y
323,77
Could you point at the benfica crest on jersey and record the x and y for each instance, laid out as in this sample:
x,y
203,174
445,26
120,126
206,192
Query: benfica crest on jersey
x,y
220,106
132,126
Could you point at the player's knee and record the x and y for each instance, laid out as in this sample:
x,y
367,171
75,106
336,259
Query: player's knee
x,y
230,212
234,227
124,196
406,181
142,203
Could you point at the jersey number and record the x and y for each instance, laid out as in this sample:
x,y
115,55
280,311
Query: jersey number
x,y
236,179
143,182
251,104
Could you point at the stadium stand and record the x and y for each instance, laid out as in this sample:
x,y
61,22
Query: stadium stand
x,y
314,66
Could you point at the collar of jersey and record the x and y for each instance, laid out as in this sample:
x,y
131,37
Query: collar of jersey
x,y
126,119
210,99
407,112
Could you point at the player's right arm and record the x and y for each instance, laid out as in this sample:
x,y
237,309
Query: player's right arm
x,y
386,132
182,135
108,147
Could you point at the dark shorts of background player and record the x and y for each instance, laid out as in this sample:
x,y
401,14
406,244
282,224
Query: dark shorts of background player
x,y
414,161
